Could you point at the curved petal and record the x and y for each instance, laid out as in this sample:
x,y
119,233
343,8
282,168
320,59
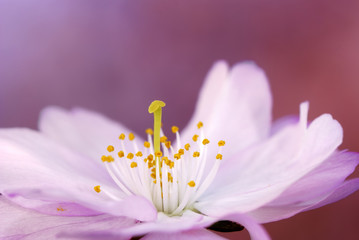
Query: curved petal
x,y
187,235
21,223
83,131
34,167
256,231
234,106
260,174
325,184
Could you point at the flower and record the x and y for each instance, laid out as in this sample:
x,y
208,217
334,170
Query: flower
x,y
85,176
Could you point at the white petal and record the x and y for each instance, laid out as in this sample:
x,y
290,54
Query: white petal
x,y
81,130
260,174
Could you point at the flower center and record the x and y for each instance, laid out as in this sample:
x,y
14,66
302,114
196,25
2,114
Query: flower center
x,y
171,178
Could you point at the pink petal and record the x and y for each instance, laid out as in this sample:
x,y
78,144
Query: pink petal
x,y
256,231
20,223
234,106
260,174
34,167
83,131
188,235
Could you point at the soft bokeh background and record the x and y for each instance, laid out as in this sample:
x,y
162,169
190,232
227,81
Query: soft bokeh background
x,y
116,56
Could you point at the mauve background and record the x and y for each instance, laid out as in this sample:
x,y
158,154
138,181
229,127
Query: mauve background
x,y
116,56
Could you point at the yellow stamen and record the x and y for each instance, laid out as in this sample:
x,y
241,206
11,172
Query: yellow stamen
x,y
146,144
205,141
149,131
130,155
97,188
177,156
195,138
219,156
168,144
196,154
181,151
191,184
199,124
110,148
174,129
104,158
121,154
133,164
221,143
131,136
163,139
187,146
150,157
139,154
122,136
60,209
158,154
110,159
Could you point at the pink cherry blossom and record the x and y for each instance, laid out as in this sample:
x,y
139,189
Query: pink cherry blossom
x,y
69,179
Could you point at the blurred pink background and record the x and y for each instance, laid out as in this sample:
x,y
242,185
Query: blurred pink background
x,y
116,56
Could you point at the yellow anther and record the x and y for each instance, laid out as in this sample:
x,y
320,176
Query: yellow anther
x,y
150,164
163,139
110,159
181,151
196,154
104,158
150,157
219,156
149,131
146,144
221,143
60,209
97,188
168,144
131,136
153,175
122,136
177,156
145,160
205,141
110,148
199,124
174,129
130,155
187,146
158,154
172,164
195,138
164,158
139,154
133,164
121,154
192,184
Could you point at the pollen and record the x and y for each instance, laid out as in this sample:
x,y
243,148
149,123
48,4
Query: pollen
x,y
110,159
219,156
110,148
146,144
177,156
130,156
168,144
122,136
181,151
196,154
150,157
174,129
97,188
158,154
121,154
191,184
133,164
104,158
195,138
205,141
187,146
163,139
199,124
60,209
131,136
221,143
139,154
149,131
